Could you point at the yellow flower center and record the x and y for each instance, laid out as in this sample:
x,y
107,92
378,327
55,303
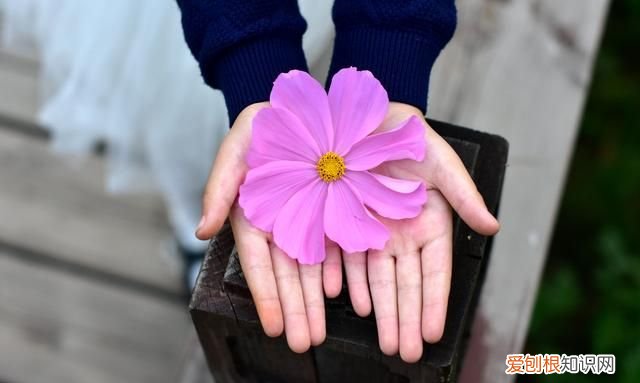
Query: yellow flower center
x,y
330,167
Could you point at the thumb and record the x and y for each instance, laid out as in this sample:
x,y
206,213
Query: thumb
x,y
455,183
222,186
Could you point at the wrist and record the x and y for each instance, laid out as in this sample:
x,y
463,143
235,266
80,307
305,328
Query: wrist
x,y
246,73
249,112
401,60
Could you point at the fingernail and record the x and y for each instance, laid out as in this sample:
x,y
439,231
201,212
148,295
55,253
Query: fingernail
x,y
202,220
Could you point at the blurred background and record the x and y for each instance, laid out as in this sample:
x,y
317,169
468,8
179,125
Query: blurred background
x,y
107,134
589,299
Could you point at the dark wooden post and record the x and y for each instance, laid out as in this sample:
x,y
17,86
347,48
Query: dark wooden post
x,y
238,351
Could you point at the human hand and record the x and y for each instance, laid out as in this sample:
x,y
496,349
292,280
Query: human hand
x,y
409,279
286,294
280,286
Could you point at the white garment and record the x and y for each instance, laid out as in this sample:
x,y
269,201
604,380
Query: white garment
x,y
119,71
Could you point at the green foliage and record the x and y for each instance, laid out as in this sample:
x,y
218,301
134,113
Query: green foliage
x,y
589,300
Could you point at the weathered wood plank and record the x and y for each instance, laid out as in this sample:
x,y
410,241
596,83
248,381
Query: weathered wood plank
x,y
18,86
195,369
57,206
58,327
520,69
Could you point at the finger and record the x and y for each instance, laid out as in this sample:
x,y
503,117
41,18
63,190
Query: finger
x,y
436,268
409,277
292,300
452,179
355,266
222,187
255,260
311,279
382,280
332,272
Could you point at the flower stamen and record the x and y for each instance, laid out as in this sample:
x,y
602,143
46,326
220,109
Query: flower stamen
x,y
330,167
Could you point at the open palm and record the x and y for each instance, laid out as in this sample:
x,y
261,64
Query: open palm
x,y
409,280
288,296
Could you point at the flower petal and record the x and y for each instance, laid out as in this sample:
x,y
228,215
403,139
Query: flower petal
x,y
298,229
390,197
266,189
303,96
404,142
358,105
348,223
279,135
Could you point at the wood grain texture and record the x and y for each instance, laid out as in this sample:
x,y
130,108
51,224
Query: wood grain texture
x,y
58,327
520,69
57,206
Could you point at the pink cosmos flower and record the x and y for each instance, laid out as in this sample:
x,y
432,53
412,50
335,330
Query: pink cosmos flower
x,y
310,165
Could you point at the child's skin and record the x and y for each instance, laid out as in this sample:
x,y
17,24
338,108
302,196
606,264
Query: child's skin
x,y
408,281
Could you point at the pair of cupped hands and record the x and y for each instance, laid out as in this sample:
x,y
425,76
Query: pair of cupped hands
x,y
406,284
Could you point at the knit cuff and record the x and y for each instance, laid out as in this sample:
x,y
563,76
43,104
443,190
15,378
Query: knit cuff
x,y
245,74
402,61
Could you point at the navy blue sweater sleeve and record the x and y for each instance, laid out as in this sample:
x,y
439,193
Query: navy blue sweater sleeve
x,y
398,41
242,45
